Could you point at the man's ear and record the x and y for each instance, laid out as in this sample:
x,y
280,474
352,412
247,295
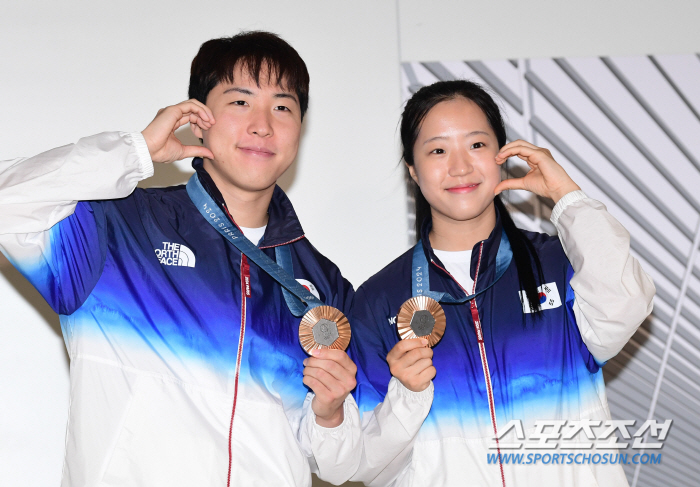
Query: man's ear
x,y
198,132
412,172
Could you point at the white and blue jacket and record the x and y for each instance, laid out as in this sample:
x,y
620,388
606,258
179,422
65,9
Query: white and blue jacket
x,y
524,368
185,361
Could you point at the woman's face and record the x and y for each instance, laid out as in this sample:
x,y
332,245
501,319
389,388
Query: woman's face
x,y
454,160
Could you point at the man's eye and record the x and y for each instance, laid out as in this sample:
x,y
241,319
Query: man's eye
x,y
240,103
477,145
283,108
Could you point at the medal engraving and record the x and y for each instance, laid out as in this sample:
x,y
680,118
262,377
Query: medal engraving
x,y
324,327
421,317
325,332
422,322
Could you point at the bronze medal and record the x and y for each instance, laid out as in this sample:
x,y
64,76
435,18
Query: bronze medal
x,y
421,317
324,327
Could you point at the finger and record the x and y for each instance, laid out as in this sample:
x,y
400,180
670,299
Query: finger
x,y
196,106
428,374
516,143
412,357
333,368
335,387
338,356
196,151
514,183
522,151
315,385
405,346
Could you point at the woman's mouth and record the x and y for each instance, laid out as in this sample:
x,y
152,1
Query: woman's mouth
x,y
463,188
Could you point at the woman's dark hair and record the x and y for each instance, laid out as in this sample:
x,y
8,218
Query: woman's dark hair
x,y
255,51
526,260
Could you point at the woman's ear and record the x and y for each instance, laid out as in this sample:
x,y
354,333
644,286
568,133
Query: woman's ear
x,y
412,172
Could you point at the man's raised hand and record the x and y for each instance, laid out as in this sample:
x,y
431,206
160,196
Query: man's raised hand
x,y
160,133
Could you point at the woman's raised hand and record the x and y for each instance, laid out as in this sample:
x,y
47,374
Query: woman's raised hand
x,y
411,361
545,178
160,133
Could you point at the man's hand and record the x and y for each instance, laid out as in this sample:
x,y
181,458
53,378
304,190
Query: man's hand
x,y
160,133
545,177
411,361
331,375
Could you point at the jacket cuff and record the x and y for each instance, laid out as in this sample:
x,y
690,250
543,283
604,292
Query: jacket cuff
x,y
349,408
564,202
424,396
144,156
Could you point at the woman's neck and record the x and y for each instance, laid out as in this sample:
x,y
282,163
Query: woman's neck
x,y
454,235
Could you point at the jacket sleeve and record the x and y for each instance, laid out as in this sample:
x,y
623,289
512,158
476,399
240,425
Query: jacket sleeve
x,y
46,232
333,453
391,414
613,294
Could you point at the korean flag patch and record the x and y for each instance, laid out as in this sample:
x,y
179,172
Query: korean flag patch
x,y
549,297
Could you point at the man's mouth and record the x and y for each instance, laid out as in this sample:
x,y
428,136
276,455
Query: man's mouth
x,y
256,151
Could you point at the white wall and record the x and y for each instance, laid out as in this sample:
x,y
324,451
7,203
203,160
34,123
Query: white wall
x,y
70,69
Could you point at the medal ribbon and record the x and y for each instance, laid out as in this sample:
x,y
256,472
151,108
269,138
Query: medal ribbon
x,y
294,293
421,274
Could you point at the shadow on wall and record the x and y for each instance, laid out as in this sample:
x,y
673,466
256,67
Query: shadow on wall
x,y
31,296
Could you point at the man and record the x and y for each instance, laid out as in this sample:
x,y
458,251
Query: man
x,y
185,363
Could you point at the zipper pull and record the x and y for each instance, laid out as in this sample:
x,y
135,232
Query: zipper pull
x,y
245,275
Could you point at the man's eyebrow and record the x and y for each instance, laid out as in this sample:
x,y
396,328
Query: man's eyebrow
x,y
443,137
239,90
286,95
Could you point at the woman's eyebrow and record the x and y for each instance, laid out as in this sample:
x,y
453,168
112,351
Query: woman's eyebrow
x,y
444,137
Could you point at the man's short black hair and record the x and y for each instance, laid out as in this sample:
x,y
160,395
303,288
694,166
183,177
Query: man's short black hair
x,y
253,52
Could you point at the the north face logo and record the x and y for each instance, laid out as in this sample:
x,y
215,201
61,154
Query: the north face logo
x,y
175,254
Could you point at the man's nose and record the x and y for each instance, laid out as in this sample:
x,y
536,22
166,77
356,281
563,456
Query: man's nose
x,y
260,124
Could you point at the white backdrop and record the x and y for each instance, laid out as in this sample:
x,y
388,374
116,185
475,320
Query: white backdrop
x,y
71,69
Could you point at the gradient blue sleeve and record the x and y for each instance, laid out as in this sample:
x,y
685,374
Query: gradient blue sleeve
x,y
372,339
65,262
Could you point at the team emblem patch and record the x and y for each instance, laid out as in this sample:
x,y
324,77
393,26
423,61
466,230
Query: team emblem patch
x,y
549,297
309,287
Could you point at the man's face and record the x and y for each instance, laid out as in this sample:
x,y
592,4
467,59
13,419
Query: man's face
x,y
256,134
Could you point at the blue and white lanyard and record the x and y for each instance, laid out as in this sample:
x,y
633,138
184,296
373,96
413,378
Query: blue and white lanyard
x,y
421,273
279,270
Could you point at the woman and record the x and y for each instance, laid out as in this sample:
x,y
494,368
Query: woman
x,y
548,311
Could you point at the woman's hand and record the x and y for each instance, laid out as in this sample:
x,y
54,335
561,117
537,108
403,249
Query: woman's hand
x,y
411,361
545,178
160,133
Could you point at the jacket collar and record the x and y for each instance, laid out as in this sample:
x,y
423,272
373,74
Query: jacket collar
x,y
487,268
283,226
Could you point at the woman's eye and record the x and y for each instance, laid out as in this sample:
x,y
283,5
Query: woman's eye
x,y
477,145
437,151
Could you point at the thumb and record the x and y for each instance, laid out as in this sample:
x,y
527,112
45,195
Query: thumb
x,y
514,183
196,151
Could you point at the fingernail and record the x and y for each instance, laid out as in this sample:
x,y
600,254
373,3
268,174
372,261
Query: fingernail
x,y
424,341
304,362
315,352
